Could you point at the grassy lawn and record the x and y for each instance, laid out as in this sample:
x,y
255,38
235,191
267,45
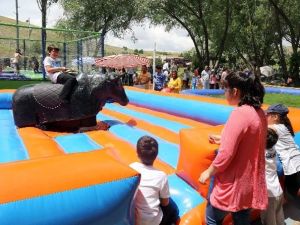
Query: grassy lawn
x,y
14,84
288,100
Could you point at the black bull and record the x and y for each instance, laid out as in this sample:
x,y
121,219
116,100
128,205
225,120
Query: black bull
x,y
39,105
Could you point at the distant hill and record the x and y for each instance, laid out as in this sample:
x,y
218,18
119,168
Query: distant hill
x,y
8,44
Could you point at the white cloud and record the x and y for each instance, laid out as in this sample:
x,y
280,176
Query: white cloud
x,y
175,40
29,9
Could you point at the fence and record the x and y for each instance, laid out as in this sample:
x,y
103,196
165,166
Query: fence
x,y
77,48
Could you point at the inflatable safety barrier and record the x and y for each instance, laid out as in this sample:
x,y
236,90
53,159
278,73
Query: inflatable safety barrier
x,y
53,177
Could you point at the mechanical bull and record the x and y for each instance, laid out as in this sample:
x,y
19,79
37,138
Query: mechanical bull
x,y
39,105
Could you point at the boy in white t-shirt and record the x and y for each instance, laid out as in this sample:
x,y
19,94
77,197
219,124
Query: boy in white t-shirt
x,y
152,198
58,74
273,215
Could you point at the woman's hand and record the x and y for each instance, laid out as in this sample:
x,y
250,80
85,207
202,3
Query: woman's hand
x,y
204,176
214,139
207,174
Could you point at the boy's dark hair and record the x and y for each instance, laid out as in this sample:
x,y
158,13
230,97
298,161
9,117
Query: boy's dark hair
x,y
272,138
252,90
52,47
159,67
147,150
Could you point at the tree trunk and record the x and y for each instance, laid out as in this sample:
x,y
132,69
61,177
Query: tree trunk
x,y
295,59
44,32
223,41
206,38
279,48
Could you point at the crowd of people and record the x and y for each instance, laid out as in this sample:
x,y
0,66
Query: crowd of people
x,y
166,78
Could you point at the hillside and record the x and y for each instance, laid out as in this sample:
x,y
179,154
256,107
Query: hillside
x,y
8,44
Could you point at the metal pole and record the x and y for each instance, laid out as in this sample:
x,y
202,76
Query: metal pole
x,y
65,54
153,65
78,52
43,52
81,62
29,33
24,55
17,23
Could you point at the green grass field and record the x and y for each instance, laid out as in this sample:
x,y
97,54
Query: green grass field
x,y
14,84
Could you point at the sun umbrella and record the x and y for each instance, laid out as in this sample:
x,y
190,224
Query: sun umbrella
x,y
122,61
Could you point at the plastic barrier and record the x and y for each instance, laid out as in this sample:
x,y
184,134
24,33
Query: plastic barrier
x,y
196,155
200,111
5,100
271,90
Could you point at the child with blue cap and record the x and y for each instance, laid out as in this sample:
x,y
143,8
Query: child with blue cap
x,y
286,148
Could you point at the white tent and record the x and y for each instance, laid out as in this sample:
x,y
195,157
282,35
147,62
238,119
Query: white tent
x,y
85,61
268,71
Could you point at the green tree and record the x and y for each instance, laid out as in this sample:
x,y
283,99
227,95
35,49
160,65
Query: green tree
x,y
207,23
288,12
251,35
101,16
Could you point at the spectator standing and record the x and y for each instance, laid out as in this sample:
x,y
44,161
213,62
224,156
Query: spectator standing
x,y
159,79
239,167
205,77
213,80
175,82
130,73
144,78
166,66
195,79
186,78
16,61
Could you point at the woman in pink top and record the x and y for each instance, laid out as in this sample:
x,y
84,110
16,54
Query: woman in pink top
x,y
239,167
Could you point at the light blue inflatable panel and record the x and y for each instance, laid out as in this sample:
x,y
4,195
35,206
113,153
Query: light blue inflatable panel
x,y
203,92
11,145
167,124
271,90
77,143
168,152
277,90
185,197
5,100
103,204
297,138
210,113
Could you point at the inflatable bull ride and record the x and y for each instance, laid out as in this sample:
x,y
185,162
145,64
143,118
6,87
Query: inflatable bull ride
x,y
39,105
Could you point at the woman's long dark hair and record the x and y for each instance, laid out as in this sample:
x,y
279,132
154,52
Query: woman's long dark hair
x,y
252,90
286,121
